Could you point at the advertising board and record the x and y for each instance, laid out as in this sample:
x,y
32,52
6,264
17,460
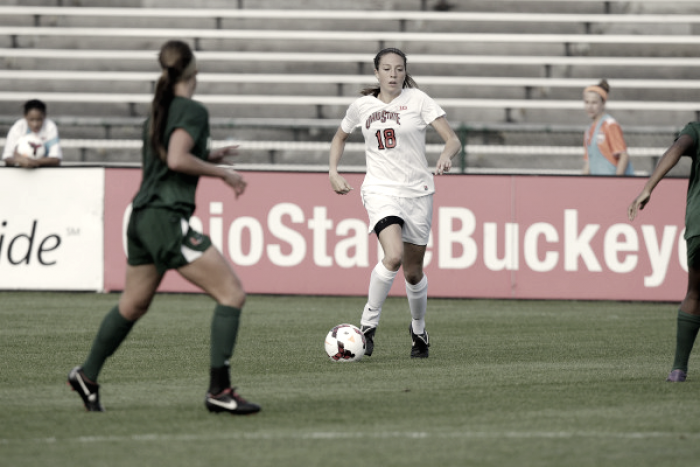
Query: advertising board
x,y
544,237
51,229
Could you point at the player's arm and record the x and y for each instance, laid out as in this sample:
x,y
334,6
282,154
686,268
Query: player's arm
x,y
339,184
181,159
452,145
668,161
217,156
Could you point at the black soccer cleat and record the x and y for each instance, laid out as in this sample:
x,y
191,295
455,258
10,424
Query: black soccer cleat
x,y
231,402
369,331
86,389
419,347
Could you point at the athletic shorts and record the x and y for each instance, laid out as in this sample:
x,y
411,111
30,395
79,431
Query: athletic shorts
x,y
163,238
417,214
693,246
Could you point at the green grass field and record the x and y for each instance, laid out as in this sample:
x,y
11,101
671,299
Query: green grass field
x,y
508,383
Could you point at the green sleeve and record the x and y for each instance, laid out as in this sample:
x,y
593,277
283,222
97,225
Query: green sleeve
x,y
692,129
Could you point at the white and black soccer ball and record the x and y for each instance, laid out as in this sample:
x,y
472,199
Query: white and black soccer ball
x,y
345,343
31,145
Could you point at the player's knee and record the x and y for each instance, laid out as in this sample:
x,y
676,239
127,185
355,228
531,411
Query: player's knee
x,y
133,310
393,261
413,276
235,298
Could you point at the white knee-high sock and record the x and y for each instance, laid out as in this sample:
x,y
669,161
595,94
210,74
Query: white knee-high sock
x,y
380,283
418,303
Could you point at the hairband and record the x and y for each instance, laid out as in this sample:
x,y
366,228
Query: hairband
x,y
186,73
598,90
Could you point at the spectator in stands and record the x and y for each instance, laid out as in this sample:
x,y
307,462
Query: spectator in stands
x,y
605,148
34,121
688,318
175,154
398,187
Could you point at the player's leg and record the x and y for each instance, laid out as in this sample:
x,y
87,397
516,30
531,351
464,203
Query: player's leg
x,y
416,234
383,274
688,319
212,273
417,294
139,289
688,324
382,277
416,284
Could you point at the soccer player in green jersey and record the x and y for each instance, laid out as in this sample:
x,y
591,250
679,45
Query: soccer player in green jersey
x,y
688,321
175,154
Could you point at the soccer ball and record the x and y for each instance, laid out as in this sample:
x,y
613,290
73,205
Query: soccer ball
x,y
30,145
345,343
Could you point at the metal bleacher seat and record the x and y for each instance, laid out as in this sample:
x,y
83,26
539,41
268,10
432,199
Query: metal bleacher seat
x,y
507,91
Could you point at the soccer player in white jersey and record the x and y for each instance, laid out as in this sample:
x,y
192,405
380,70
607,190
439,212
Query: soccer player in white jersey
x,y
398,187
34,121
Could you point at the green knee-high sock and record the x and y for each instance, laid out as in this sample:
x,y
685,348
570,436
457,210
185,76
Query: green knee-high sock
x,y
112,332
688,326
224,330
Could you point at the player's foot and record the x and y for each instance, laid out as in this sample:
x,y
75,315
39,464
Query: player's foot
x,y
230,401
86,389
421,342
369,331
676,376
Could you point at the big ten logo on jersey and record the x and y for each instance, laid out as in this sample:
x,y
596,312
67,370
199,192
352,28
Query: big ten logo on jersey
x,y
403,107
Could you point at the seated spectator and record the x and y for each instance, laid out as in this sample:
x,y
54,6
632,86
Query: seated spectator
x,y
34,121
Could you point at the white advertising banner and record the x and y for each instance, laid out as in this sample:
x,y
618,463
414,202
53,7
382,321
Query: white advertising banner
x,y
52,229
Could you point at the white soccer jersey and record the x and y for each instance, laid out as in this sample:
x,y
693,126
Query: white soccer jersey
x,y
395,142
48,134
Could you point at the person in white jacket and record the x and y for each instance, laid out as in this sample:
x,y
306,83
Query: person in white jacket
x,y
36,122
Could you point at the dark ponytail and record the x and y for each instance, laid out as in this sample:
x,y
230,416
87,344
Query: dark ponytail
x,y
177,63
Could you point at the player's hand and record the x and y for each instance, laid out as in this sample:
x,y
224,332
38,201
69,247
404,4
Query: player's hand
x,y
339,184
218,155
444,164
638,204
235,181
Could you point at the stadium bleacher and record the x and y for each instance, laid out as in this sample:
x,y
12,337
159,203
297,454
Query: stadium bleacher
x,y
499,73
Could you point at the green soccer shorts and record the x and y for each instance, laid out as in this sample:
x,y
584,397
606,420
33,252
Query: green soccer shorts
x,y
164,238
693,247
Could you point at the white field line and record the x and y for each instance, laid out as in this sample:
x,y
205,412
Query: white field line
x,y
463,435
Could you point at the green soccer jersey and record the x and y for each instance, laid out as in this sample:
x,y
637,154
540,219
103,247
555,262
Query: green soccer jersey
x,y
692,208
165,188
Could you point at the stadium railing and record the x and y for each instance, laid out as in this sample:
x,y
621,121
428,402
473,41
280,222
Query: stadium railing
x,y
400,17
527,83
317,103
379,37
362,60
306,146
